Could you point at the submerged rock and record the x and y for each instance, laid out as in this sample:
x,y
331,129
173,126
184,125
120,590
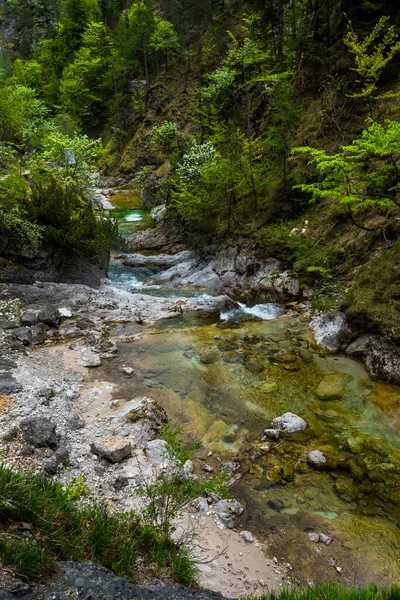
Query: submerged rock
x,y
316,458
333,386
289,423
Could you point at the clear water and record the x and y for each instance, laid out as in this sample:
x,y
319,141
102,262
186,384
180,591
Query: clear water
x,y
224,381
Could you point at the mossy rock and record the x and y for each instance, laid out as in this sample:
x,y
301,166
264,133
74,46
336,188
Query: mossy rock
x,y
209,357
333,386
347,489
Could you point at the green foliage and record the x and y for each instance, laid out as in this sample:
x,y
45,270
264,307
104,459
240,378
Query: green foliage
x,y
373,301
63,529
164,38
87,152
22,115
26,558
87,82
166,136
372,55
77,488
314,262
172,489
68,220
332,591
361,174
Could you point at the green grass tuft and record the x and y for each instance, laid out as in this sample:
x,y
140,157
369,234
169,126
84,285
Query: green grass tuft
x,y
62,528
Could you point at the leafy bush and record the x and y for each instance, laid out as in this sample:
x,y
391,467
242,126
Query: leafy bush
x,y
166,136
68,220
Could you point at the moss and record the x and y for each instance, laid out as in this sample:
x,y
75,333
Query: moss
x,y
373,302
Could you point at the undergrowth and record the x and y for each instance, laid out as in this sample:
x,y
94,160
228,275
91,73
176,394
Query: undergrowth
x,y
332,591
42,524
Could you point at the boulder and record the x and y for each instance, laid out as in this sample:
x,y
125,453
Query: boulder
x,y
333,386
7,324
114,449
289,423
40,432
332,330
89,359
23,334
228,511
273,434
316,459
383,359
148,410
39,334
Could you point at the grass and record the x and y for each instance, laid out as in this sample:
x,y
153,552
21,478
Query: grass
x,y
42,523
332,591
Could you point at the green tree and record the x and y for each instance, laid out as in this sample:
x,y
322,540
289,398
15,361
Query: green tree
x,y
362,174
371,56
87,84
164,39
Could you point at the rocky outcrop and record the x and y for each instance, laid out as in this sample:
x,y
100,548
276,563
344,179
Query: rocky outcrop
x,y
232,268
51,265
89,580
383,358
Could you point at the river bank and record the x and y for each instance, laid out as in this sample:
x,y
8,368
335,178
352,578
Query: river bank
x,y
223,371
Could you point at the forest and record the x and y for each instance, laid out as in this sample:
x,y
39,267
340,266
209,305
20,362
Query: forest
x,y
247,118
268,131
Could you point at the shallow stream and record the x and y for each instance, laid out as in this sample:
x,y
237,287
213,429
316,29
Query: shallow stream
x,y
224,378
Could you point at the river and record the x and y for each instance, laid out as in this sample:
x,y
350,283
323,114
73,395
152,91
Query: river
x,y
224,378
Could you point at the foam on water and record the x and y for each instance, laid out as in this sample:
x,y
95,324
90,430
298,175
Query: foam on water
x,y
265,312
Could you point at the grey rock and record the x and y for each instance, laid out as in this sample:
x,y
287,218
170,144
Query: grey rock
x,y
383,359
29,318
7,363
7,324
90,581
198,506
89,359
50,316
313,537
228,511
316,458
114,449
273,434
8,385
247,536
61,456
11,434
208,468
325,539
38,334
40,432
23,334
289,423
121,482
360,346
156,452
332,331
188,466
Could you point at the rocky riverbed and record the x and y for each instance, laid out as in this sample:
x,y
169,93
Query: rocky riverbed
x,y
309,440
58,416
